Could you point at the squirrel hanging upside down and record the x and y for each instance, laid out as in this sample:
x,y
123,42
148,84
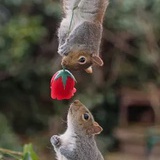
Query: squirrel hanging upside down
x,y
80,33
78,142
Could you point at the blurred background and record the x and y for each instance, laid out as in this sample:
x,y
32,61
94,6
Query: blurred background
x,y
123,95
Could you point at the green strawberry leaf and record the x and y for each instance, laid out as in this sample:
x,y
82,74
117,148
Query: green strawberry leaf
x,y
64,74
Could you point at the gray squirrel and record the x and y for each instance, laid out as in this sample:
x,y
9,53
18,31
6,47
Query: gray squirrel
x,y
80,33
78,143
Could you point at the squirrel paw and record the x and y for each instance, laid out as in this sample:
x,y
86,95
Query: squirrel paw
x,y
55,140
64,50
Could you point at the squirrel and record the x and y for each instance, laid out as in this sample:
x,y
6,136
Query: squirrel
x,y
80,33
78,142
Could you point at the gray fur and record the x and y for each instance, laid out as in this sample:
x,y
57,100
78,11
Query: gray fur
x,y
77,143
85,148
80,29
85,41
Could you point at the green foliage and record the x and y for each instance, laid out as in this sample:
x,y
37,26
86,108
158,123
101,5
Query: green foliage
x,y
18,36
135,27
8,139
152,138
27,154
24,66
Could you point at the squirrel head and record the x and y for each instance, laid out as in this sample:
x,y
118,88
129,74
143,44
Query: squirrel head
x,y
81,120
81,60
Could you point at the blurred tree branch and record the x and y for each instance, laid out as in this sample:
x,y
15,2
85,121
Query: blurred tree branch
x,y
10,152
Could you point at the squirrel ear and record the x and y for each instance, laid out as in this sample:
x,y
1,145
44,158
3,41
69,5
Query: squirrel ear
x,y
89,69
96,129
97,60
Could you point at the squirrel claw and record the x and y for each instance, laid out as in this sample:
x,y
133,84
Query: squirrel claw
x,y
64,50
55,140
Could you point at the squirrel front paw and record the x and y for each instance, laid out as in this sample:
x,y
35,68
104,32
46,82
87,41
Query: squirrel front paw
x,y
55,140
64,50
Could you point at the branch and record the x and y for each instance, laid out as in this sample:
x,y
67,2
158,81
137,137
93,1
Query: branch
x,y
10,152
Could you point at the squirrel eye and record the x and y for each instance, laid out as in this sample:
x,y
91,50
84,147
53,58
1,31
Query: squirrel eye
x,y
86,116
82,60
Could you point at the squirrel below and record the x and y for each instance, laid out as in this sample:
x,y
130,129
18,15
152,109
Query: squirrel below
x,y
78,142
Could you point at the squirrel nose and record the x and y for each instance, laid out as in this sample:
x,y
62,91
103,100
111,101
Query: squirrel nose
x,y
76,101
75,105
64,63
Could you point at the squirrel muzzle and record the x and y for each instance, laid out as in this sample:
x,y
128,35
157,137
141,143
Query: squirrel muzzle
x,y
75,105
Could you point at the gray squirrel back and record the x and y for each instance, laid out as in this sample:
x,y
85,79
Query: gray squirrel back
x,y
80,33
78,142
